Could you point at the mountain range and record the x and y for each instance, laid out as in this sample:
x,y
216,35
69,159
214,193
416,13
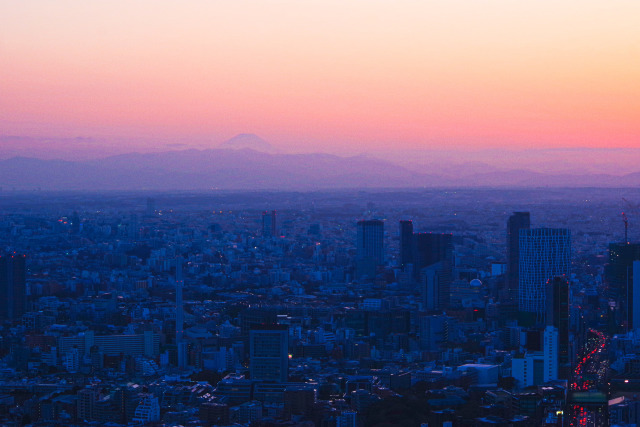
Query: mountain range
x,y
241,168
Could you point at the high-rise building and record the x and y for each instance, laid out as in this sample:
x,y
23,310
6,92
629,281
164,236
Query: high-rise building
x,y
434,331
544,254
430,249
370,240
551,353
86,403
369,247
269,224
518,221
558,317
406,243
180,344
538,367
430,286
633,307
620,283
269,353
13,295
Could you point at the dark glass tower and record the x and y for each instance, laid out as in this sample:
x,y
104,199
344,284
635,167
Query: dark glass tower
x,y
13,296
269,224
558,317
620,282
406,243
430,249
518,221
544,254
269,353
370,240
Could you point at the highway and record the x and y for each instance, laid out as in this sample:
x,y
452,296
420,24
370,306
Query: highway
x,y
589,375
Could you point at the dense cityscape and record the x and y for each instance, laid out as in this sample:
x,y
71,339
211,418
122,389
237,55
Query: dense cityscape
x,y
337,309
327,213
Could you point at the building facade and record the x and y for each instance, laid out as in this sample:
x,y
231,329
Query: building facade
x,y
518,221
406,243
370,240
13,293
544,254
269,228
269,353
620,283
558,318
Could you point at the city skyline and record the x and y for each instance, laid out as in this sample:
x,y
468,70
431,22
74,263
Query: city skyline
x,y
186,308
319,213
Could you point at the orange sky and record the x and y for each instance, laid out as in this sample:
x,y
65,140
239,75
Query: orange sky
x,y
324,75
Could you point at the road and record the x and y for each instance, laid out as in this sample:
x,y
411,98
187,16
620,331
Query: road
x,y
589,374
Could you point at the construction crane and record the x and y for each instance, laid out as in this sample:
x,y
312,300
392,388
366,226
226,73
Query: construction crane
x,y
626,228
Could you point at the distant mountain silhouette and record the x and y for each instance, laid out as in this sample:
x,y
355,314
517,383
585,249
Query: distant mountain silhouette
x,y
207,169
250,169
250,141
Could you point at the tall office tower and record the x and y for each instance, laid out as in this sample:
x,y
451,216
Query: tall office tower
x,y
430,249
180,344
269,224
269,353
430,288
620,281
551,353
406,243
518,221
558,317
370,240
13,294
635,308
544,254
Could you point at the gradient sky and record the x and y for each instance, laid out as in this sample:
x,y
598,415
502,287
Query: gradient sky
x,y
322,75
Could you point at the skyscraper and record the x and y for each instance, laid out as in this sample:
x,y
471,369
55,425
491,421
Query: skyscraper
x,y
551,353
558,317
180,344
620,281
406,243
544,254
370,240
369,247
634,308
269,224
430,288
269,353
518,221
13,296
430,249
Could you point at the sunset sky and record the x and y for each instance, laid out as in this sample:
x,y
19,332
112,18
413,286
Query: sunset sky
x,y
335,76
